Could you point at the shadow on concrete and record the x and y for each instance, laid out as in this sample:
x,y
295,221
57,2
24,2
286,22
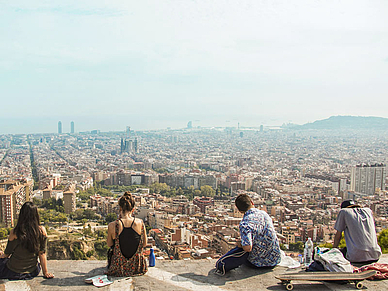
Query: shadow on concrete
x,y
211,278
76,279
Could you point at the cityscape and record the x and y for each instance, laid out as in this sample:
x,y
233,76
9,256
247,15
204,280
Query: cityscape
x,y
185,182
248,132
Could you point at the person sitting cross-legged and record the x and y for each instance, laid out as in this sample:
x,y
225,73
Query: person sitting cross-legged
x,y
259,245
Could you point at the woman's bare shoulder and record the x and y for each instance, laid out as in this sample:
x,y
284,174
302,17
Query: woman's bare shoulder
x,y
138,221
112,224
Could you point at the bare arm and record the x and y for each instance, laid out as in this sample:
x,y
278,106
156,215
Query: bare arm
x,y
245,248
145,236
43,263
337,239
43,259
11,237
111,231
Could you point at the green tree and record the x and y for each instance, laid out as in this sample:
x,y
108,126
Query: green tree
x,y
54,204
101,249
87,214
207,191
382,239
110,217
342,242
101,233
326,245
103,192
160,188
296,247
191,189
197,192
161,170
3,233
78,254
50,215
87,231
36,201
90,214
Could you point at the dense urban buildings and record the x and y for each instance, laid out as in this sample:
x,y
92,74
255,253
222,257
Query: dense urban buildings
x,y
13,194
185,181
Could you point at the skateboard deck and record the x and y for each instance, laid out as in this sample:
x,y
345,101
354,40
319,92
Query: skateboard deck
x,y
355,278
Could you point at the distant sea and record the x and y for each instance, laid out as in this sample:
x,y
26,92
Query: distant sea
x,y
119,123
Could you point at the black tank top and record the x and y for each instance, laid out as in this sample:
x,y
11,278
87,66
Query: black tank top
x,y
129,240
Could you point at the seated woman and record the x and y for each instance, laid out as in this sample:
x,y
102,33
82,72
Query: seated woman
x,y
128,237
26,242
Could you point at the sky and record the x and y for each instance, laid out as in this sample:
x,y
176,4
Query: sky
x,y
157,64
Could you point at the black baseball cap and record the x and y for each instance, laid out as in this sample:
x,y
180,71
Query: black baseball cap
x,y
349,204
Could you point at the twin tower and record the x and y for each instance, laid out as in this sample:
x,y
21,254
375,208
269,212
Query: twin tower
x,y
60,127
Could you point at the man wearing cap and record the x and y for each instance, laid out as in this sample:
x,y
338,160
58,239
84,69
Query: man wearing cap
x,y
360,234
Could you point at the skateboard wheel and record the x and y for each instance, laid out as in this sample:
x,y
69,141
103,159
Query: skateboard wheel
x,y
289,286
359,285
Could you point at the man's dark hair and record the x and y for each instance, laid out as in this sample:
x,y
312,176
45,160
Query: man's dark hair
x,y
243,202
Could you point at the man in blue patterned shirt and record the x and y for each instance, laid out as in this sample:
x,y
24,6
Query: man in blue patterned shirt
x,y
259,245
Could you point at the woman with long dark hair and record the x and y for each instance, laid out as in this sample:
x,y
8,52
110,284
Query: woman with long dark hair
x,y
127,236
26,242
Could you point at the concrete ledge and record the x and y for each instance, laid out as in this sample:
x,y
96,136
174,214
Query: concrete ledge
x,y
173,275
69,275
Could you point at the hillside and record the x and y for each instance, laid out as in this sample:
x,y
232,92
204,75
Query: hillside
x,y
346,122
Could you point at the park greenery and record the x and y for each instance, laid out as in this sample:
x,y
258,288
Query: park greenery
x,y
382,239
159,188
53,211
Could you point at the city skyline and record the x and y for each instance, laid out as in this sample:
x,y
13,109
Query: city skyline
x,y
52,125
156,65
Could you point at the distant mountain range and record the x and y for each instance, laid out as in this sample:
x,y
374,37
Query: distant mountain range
x,y
345,122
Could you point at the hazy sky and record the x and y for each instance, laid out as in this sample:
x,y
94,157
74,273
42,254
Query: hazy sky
x,y
153,64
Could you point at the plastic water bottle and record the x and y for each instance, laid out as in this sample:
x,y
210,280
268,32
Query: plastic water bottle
x,y
300,259
308,252
152,258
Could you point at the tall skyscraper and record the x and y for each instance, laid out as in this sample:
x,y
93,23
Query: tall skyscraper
x,y
59,127
128,132
366,179
72,127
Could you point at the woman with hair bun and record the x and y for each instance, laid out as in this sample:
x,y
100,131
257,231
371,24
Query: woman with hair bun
x,y
26,242
127,236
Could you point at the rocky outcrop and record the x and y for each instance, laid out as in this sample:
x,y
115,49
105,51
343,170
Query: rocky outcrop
x,y
65,249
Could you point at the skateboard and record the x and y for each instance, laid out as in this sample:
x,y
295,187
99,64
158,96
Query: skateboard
x,y
355,278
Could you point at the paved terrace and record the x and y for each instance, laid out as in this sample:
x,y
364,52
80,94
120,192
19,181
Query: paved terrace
x,y
174,275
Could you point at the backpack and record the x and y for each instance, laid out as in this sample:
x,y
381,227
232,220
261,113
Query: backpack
x,y
333,260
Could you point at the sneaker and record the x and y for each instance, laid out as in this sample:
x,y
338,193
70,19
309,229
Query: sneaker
x,y
219,273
